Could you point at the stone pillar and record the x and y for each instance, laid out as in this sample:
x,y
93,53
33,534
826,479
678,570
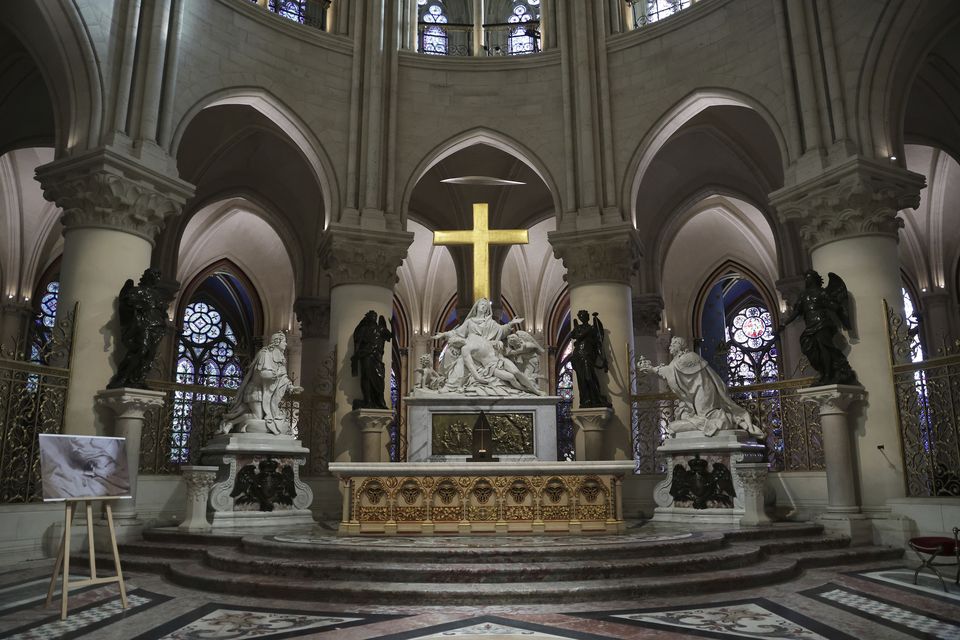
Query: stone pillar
x,y
14,328
590,425
600,263
647,320
848,220
362,265
843,508
199,480
128,408
373,423
314,317
937,324
789,346
113,207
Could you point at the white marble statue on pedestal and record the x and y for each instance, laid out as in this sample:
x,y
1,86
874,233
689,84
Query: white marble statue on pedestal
x,y
256,408
704,405
477,361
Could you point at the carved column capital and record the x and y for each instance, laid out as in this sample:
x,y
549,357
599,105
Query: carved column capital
x,y
314,317
605,254
647,314
363,256
859,197
833,398
105,189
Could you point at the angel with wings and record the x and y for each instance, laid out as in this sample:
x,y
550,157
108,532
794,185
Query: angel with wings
x,y
825,311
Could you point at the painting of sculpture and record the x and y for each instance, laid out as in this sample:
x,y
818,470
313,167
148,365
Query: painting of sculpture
x,y
83,467
256,407
702,401
825,312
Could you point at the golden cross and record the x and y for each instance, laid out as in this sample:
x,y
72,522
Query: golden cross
x,y
481,237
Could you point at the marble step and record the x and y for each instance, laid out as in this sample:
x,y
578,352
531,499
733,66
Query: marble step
x,y
199,576
795,544
776,530
161,550
400,570
172,535
489,549
845,556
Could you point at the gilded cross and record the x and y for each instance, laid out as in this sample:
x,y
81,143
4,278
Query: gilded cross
x,y
480,238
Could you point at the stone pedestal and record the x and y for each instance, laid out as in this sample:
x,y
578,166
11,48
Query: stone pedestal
x,y
199,481
257,476
373,425
737,451
128,408
588,438
423,411
843,505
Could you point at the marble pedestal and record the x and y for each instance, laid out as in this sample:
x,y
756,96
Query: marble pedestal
x,y
735,449
199,481
588,438
128,408
373,425
422,409
843,514
232,453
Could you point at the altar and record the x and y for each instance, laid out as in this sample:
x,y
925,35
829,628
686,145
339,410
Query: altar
x,y
427,498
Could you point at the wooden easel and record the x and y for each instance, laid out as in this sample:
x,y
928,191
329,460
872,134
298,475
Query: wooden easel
x,y
63,555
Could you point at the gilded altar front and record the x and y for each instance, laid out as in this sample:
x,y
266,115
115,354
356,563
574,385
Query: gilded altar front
x,y
462,499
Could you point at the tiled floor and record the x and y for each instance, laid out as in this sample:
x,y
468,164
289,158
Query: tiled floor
x,y
874,602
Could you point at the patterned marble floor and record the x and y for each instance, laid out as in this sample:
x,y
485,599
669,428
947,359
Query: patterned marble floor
x,y
874,602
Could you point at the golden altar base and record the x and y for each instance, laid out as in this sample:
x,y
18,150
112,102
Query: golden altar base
x,y
423,498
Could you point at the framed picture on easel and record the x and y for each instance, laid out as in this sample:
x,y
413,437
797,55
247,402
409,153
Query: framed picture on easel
x,y
84,469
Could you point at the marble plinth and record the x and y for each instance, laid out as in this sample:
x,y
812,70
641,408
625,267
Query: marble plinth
x,y
482,498
233,454
739,452
421,412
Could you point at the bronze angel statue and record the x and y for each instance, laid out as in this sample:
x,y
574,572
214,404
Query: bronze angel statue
x,y
142,311
589,357
825,311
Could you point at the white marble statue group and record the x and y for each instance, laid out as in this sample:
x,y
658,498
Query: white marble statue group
x,y
703,404
483,358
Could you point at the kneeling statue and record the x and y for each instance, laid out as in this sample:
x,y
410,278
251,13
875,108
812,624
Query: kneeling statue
x,y
703,401
256,407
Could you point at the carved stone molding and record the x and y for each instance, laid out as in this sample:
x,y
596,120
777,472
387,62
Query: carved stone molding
x,y
606,254
314,317
130,403
859,197
833,398
363,256
105,189
647,314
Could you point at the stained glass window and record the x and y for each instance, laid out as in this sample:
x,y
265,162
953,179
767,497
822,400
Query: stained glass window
x,y
433,37
565,431
309,12
913,326
525,37
650,11
752,353
44,321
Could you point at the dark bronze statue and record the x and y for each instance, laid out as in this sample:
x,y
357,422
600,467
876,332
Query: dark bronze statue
x,y
265,485
588,357
142,310
825,312
367,360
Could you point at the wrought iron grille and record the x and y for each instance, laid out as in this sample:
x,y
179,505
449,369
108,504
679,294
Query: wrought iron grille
x,y
793,436
312,13
928,412
32,401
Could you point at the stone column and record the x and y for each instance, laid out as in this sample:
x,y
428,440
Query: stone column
x,y
128,408
937,324
600,263
113,206
843,509
14,327
590,425
362,265
314,317
848,220
789,346
647,319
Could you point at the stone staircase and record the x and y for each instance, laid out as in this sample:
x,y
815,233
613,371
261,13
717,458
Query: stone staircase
x,y
490,570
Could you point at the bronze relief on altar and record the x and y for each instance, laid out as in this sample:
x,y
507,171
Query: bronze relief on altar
x,y
453,433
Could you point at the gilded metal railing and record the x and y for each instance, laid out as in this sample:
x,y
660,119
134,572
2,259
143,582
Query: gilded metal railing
x,y
928,412
33,396
792,427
